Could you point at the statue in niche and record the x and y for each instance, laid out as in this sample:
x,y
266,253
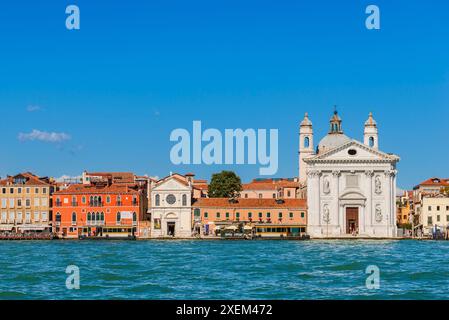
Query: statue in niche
x,y
326,186
378,185
326,214
379,216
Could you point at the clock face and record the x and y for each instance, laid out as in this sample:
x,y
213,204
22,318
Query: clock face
x,y
171,199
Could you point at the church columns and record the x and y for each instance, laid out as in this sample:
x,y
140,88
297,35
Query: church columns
x,y
369,197
336,182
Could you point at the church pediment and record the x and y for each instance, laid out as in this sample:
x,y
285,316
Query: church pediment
x,y
352,195
171,183
353,151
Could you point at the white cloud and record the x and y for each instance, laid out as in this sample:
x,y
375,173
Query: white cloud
x,y
52,137
33,108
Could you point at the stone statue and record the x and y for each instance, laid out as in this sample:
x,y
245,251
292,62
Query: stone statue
x,y
326,188
378,184
379,216
326,214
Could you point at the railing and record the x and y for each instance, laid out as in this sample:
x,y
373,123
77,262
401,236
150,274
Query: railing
x,y
96,204
95,223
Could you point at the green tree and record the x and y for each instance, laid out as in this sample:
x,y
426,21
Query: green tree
x,y
225,184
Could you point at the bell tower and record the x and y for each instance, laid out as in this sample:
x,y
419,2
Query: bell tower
x,y
371,133
306,146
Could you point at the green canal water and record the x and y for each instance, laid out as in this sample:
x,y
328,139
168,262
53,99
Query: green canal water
x,y
224,270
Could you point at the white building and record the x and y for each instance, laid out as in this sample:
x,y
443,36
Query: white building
x,y
171,207
351,186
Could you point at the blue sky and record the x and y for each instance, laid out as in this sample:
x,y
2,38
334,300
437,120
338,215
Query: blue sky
x,y
139,69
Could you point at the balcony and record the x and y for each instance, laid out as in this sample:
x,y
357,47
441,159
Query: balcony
x,y
96,204
95,223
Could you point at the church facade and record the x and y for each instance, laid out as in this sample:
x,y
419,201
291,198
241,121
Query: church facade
x,y
351,185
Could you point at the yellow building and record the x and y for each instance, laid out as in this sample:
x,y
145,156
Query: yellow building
x,y
404,208
25,203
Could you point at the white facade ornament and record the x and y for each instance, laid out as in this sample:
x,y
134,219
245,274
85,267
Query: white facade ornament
x,y
378,185
326,214
326,186
379,216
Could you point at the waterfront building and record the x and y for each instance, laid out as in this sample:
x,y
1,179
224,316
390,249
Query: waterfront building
x,y
100,208
212,216
434,214
25,203
170,206
270,189
351,186
404,204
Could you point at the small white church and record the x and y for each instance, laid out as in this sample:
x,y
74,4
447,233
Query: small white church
x,y
351,186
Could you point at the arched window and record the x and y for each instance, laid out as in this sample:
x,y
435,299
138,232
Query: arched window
x,y
184,200
306,142
134,217
98,216
89,217
58,217
102,216
119,200
74,217
371,142
91,201
119,217
158,200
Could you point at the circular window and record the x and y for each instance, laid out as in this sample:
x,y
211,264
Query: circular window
x,y
171,199
352,152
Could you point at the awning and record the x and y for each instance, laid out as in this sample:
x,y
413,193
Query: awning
x,y
231,228
247,228
6,228
33,228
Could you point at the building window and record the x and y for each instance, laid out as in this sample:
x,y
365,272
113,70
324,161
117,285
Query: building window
x,y
274,195
289,193
11,190
291,215
27,190
4,190
134,217
447,218
44,190
250,215
89,217
218,215
303,214
158,200
28,217
227,215
371,142
19,202
19,190
36,216
206,215
438,218
430,208
119,217
260,196
237,215
246,196
268,215
438,208
83,200
260,215
36,190
429,221
306,142
184,200
73,218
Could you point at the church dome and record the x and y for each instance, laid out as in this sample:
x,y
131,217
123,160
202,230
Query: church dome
x,y
335,138
332,141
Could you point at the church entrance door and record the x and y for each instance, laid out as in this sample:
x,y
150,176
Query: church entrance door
x,y
171,229
352,220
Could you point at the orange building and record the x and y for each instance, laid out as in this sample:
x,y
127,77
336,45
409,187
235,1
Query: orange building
x,y
270,189
264,216
99,209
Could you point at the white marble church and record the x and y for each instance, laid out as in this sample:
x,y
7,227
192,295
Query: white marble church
x,y
351,186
